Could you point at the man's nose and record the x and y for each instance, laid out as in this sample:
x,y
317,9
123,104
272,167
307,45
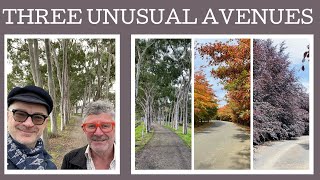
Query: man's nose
x,y
28,122
98,131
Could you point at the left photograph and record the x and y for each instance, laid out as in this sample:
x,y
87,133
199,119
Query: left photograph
x,y
62,103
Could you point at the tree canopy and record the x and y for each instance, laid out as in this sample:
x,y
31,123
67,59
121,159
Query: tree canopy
x,y
163,68
280,102
230,62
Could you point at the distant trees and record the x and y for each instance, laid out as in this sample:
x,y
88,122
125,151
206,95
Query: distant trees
x,y
280,103
163,76
225,113
205,101
232,62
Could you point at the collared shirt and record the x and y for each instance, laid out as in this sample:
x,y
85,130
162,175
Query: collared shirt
x,y
90,164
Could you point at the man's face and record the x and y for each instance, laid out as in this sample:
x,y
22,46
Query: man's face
x,y
100,141
26,132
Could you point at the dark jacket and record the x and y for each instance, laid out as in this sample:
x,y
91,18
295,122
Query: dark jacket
x,y
75,159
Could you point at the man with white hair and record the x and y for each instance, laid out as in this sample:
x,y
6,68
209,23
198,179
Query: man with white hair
x,y
98,125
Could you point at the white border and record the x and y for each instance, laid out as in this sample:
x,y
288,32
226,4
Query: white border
x,y
117,105
310,37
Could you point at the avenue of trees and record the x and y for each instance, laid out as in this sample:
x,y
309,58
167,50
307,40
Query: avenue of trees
x,y
162,82
280,102
230,62
74,71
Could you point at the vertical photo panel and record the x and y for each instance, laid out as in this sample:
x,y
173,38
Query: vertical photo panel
x,y
162,109
222,104
282,90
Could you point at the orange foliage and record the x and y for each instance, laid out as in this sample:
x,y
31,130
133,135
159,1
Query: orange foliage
x,y
232,59
204,98
225,113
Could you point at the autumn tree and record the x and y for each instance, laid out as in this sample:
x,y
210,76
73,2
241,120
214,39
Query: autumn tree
x,y
205,101
225,113
232,62
280,103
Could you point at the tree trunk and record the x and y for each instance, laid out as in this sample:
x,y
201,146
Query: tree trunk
x,y
59,76
110,59
31,59
36,64
53,118
98,93
185,119
65,82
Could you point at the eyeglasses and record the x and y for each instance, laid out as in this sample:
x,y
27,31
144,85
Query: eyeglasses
x,y
92,127
22,116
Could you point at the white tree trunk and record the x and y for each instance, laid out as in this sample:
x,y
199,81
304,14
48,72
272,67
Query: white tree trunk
x,y
53,119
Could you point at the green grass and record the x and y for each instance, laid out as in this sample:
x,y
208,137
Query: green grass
x,y
140,141
186,138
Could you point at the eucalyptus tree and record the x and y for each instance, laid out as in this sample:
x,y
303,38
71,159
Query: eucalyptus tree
x,y
51,87
163,87
74,69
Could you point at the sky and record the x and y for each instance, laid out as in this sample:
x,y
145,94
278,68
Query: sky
x,y
295,49
217,87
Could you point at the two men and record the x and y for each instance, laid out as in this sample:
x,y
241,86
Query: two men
x,y
98,125
28,110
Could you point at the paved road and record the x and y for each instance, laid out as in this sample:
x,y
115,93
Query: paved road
x,y
281,155
224,145
164,151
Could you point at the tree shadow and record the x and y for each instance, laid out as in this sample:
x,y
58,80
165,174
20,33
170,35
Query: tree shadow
x,y
217,124
205,166
207,131
241,160
209,127
242,136
305,146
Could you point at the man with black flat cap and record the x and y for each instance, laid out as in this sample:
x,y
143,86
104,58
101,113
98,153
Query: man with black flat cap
x,y
28,111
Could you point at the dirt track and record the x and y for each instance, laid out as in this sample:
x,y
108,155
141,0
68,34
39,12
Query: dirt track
x,y
281,155
164,151
224,145
70,138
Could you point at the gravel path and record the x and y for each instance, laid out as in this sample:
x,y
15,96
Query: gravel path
x,y
72,137
164,151
283,155
224,145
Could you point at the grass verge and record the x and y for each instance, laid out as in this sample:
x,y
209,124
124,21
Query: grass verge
x,y
186,138
142,138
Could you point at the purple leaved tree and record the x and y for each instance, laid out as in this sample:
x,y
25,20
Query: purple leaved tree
x,y
280,102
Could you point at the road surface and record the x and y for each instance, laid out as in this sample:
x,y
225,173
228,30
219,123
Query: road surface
x,y
283,155
224,145
164,151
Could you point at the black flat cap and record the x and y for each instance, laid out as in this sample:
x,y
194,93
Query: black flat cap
x,y
31,94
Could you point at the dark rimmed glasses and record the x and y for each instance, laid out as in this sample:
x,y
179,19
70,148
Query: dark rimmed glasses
x,y
92,127
22,116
